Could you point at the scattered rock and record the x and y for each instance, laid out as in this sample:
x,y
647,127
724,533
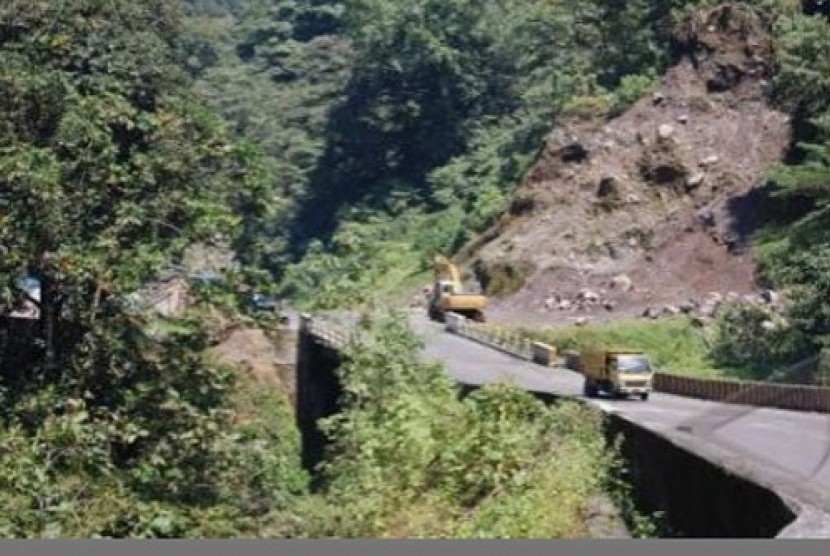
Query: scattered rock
x,y
683,119
714,297
671,310
651,313
769,326
707,217
709,161
609,305
622,282
658,98
633,199
688,307
709,309
565,305
696,180
589,296
550,303
582,321
665,131
733,296
771,297
633,242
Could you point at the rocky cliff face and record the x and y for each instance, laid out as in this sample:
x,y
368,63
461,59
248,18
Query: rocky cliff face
x,y
654,207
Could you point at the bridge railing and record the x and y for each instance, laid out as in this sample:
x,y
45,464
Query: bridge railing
x,y
742,392
325,333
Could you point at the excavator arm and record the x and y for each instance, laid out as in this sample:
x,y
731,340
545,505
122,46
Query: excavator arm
x,y
444,268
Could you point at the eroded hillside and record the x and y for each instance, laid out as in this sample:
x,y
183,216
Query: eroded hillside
x,y
651,208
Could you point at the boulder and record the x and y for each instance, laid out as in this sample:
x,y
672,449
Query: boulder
x,y
651,313
665,131
707,217
582,321
770,296
683,119
589,296
688,307
565,305
695,180
709,161
709,309
671,310
658,98
623,283
609,305
714,297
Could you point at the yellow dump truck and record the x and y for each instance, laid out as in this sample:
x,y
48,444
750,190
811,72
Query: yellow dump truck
x,y
618,372
447,294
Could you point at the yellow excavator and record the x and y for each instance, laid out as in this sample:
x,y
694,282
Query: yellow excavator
x,y
447,294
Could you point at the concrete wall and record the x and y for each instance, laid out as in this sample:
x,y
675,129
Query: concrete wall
x,y
695,497
699,499
317,393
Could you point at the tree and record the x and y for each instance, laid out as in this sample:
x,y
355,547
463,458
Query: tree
x,y
109,170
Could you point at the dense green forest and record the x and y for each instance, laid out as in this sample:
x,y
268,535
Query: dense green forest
x,y
398,129
402,129
334,146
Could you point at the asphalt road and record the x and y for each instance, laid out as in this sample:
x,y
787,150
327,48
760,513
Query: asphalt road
x,y
787,451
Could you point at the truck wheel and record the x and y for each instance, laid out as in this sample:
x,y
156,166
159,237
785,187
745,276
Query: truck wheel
x,y
589,390
644,397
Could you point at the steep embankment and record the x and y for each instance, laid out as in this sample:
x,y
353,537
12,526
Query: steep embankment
x,y
652,208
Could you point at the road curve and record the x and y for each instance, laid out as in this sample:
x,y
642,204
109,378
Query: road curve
x,y
786,451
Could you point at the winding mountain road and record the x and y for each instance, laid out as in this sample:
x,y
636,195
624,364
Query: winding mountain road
x,y
786,451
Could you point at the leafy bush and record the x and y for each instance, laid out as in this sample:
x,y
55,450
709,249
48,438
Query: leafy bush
x,y
751,338
631,89
408,458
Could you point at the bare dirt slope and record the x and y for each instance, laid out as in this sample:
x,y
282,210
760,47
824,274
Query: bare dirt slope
x,y
661,198
270,361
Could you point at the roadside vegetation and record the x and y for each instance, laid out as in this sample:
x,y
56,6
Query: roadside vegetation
x,y
674,345
410,459
334,147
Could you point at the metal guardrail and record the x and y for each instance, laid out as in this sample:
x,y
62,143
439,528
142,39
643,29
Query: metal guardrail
x,y
509,342
759,394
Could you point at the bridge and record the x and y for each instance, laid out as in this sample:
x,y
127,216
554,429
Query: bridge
x,y
716,468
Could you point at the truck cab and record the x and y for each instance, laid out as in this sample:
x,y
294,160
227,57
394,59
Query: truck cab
x,y
620,373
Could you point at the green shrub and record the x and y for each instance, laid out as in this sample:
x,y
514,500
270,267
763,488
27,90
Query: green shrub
x,y
409,458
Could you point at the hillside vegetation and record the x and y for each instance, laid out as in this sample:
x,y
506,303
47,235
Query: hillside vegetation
x,y
333,147
399,129
118,422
